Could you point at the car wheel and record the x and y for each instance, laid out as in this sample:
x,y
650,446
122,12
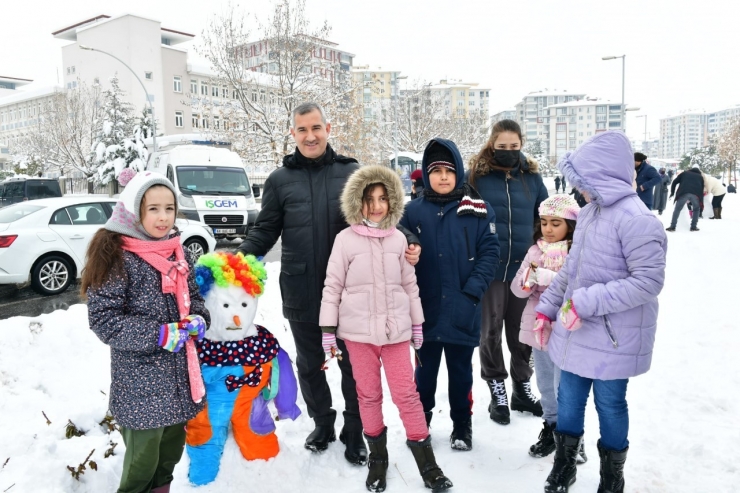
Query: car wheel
x,y
197,247
51,275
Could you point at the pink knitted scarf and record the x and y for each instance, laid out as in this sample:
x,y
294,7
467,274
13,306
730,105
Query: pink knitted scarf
x,y
175,281
553,254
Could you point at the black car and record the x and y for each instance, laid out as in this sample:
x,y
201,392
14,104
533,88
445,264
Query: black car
x,y
14,190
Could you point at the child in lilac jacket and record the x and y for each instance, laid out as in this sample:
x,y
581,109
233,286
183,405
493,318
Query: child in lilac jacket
x,y
603,306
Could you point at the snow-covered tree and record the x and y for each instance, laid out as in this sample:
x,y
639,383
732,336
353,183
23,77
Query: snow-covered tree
x,y
120,142
257,117
536,149
728,146
706,158
68,125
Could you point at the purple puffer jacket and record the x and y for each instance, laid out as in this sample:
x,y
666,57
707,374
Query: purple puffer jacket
x,y
614,271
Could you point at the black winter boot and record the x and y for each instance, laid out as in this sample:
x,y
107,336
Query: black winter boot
x,y
462,435
318,440
378,462
719,212
522,399
611,470
563,473
546,443
355,451
499,406
432,475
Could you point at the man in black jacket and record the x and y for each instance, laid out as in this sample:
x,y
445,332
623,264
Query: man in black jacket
x,y
691,190
301,202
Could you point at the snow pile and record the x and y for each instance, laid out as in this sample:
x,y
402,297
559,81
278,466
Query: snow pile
x,y
683,412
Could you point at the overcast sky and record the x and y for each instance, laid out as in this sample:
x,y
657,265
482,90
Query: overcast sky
x,y
680,55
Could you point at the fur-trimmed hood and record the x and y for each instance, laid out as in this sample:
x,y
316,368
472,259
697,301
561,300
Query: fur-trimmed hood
x,y
356,184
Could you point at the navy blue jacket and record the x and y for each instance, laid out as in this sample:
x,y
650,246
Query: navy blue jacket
x,y
647,178
516,202
458,260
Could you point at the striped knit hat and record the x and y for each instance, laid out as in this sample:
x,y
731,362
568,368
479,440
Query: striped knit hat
x,y
439,156
563,206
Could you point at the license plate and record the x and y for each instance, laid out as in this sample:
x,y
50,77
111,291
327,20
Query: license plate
x,y
224,231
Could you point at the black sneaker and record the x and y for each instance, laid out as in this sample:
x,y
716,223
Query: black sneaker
x,y
462,435
694,229
499,406
522,399
546,443
671,229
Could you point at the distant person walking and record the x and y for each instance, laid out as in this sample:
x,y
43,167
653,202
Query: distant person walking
x,y
563,183
717,189
557,185
660,196
731,188
691,190
647,178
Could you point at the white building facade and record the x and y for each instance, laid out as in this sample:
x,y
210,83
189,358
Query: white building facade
x,y
570,124
533,116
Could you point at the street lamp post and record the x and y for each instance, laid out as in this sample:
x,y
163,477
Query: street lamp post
x,y
624,121
148,98
396,93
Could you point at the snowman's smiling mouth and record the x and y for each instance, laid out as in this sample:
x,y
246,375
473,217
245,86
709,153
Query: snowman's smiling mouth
x,y
233,328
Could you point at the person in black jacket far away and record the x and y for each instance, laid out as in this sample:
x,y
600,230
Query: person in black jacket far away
x,y
301,203
691,190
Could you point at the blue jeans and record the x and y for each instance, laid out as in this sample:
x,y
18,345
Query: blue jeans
x,y
611,405
548,379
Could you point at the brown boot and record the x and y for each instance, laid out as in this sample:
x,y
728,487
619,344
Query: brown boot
x,y
719,213
716,214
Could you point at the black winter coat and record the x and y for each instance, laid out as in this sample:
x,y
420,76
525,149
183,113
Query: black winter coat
x,y
690,181
516,201
660,196
301,202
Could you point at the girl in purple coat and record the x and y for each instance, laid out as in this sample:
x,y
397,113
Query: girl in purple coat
x,y
602,306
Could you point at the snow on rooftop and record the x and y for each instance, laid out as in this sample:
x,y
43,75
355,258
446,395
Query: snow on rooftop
x,y
28,94
585,102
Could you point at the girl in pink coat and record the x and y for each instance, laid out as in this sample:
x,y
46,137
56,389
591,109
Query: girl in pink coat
x,y
552,240
371,301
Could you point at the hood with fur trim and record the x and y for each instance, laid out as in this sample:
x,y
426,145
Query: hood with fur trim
x,y
351,200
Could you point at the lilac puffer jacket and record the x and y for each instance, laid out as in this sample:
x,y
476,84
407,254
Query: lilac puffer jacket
x,y
615,269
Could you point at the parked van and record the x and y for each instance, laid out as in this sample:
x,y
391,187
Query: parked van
x,y
212,187
19,189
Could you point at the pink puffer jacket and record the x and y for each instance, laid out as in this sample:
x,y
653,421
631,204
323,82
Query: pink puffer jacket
x,y
370,292
529,316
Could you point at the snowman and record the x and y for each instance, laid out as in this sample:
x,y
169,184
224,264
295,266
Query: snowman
x,y
243,368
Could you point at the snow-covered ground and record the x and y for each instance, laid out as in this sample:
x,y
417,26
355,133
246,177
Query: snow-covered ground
x,y
684,426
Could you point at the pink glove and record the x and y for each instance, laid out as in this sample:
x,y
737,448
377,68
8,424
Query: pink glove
x,y
569,316
542,329
417,336
329,343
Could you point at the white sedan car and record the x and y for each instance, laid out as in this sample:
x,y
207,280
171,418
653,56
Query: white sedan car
x,y
47,239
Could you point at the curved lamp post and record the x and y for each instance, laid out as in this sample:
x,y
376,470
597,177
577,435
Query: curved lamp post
x,y
624,121
148,98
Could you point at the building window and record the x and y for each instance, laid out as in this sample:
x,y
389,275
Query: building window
x,y
178,119
203,89
193,86
148,75
254,96
225,92
205,122
177,83
214,91
216,123
196,121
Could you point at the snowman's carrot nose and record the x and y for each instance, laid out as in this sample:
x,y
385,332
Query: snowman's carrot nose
x,y
237,321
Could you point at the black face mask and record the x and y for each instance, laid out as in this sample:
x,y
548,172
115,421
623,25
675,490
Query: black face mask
x,y
505,158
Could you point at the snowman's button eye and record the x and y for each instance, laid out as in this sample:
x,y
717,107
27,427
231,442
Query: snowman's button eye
x,y
244,305
226,305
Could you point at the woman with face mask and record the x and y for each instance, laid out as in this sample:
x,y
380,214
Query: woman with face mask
x,y
511,183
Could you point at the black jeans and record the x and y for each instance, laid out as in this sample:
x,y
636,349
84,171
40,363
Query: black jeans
x,y
459,361
312,379
717,201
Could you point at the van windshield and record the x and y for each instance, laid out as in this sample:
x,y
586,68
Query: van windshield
x,y
213,179
42,189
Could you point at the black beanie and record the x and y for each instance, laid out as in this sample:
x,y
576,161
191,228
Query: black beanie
x,y
640,157
439,155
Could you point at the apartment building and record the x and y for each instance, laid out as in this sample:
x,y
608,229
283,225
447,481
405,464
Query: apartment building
x,y
718,121
377,89
532,113
683,133
509,114
327,60
575,121
460,99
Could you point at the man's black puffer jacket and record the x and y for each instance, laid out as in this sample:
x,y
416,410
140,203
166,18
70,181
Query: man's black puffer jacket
x,y
301,202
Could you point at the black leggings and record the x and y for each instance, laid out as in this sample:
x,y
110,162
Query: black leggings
x,y
717,201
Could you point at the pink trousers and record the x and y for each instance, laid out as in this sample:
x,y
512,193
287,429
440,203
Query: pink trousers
x,y
395,358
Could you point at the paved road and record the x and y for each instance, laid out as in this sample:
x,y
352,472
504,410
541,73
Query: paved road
x,y
26,302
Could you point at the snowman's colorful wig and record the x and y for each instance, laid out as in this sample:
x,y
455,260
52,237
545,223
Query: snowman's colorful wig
x,y
224,268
